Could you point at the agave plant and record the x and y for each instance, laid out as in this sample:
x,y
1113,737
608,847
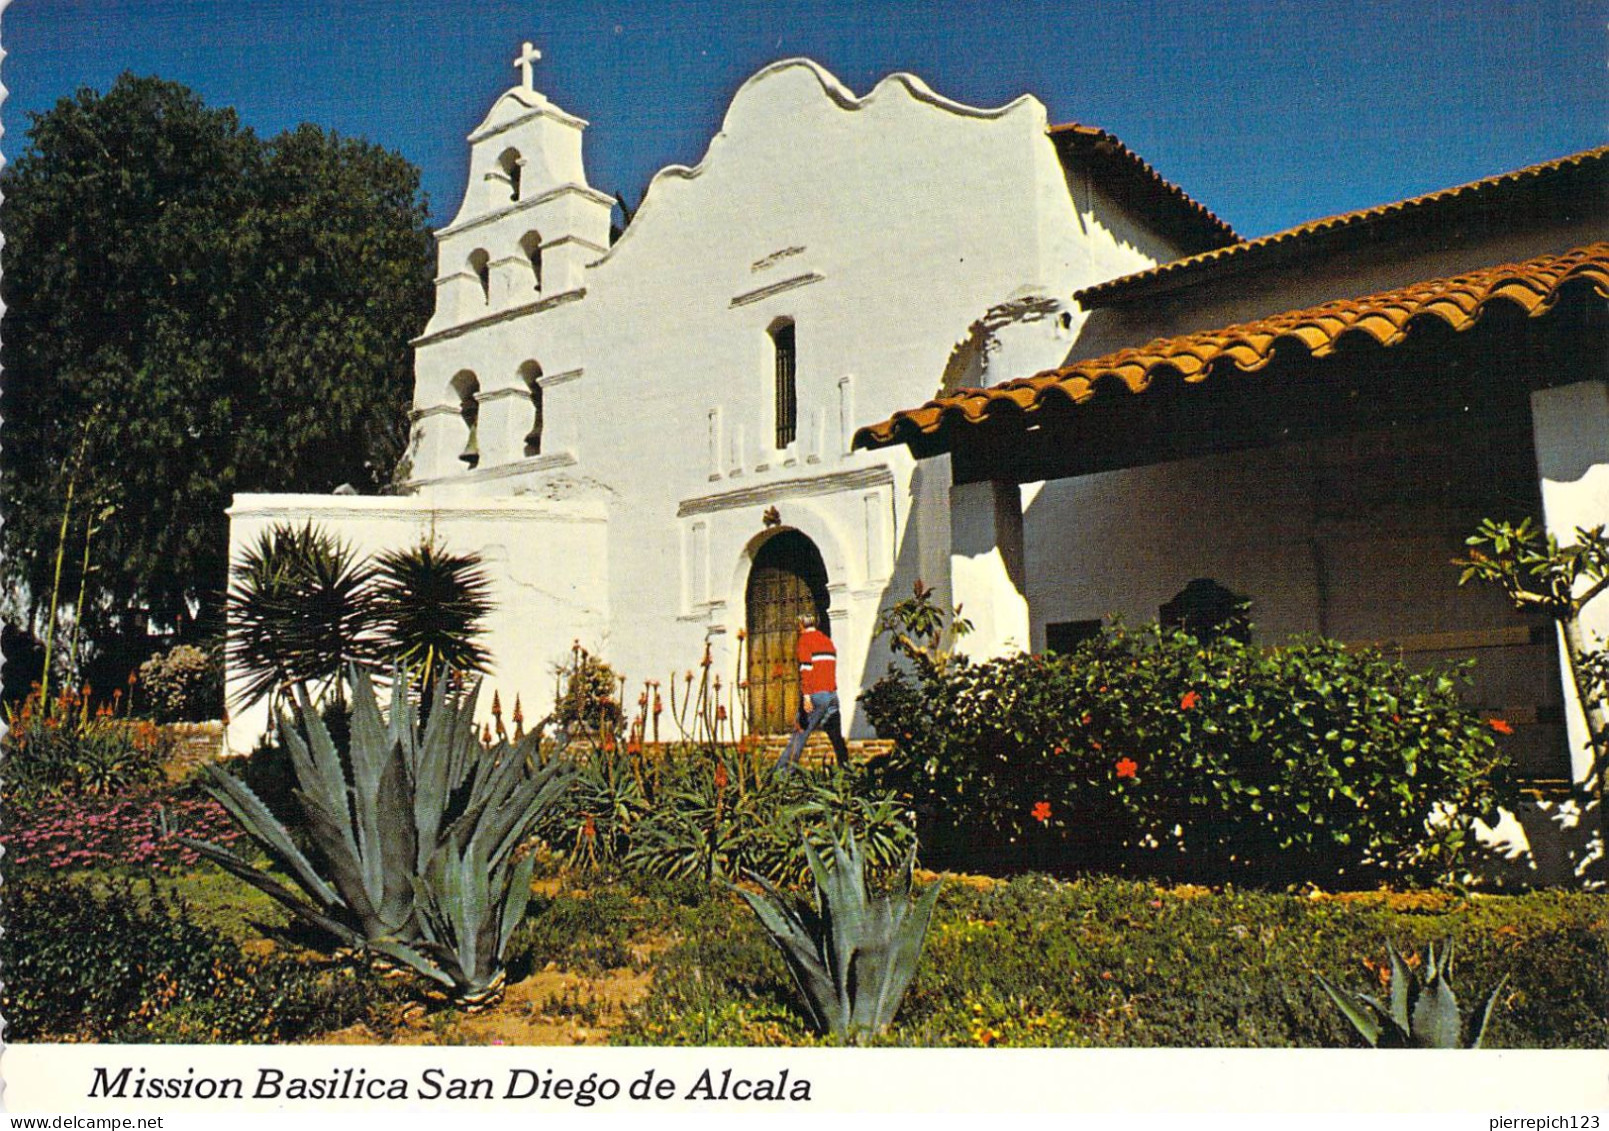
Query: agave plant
x,y
415,833
853,954
1421,1011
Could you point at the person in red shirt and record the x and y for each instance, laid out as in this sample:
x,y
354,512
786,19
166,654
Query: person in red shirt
x,y
818,688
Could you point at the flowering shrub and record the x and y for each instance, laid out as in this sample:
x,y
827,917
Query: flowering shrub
x,y
183,684
1152,752
71,749
141,831
589,698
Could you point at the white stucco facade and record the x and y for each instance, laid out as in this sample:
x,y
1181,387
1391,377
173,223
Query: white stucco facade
x,y
606,416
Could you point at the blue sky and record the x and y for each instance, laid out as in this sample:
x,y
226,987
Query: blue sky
x,y
1269,113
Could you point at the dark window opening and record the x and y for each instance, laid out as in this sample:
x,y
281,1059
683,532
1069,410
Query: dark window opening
x,y
1208,611
533,439
1067,635
532,246
782,341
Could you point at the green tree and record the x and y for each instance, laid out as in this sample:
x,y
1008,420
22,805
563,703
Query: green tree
x,y
1538,574
234,312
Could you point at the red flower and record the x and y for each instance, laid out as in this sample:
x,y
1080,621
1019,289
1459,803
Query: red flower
x,y
1127,767
589,830
720,775
1501,726
1041,811
1191,699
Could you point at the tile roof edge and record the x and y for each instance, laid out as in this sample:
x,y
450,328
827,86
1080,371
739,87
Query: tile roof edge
x,y
1194,268
1497,282
1211,228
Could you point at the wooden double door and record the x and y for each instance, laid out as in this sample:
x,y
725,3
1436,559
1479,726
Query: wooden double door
x,y
788,578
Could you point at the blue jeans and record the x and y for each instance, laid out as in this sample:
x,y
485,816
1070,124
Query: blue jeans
x,y
823,714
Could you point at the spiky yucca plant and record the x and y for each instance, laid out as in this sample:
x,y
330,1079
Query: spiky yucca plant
x,y
432,605
300,611
1422,1011
853,954
416,839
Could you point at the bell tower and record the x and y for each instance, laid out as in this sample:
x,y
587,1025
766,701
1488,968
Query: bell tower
x,y
519,247
529,222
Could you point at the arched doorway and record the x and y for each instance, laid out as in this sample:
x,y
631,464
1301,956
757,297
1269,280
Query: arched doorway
x,y
788,578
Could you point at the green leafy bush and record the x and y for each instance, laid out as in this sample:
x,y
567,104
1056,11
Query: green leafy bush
x,y
1150,752
133,965
589,702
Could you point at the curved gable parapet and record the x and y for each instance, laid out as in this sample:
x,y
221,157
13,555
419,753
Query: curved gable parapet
x,y
515,105
763,103
913,86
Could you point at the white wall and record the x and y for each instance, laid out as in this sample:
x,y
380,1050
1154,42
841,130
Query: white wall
x,y
1324,538
548,563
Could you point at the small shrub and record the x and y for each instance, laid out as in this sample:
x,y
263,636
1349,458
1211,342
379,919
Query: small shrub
x,y
589,699
1150,752
130,965
1419,1009
853,954
183,684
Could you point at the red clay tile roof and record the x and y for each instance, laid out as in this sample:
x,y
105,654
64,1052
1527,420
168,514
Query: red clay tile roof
x,y
1180,272
1386,319
1134,183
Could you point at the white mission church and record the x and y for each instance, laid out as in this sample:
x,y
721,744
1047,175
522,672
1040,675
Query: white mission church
x,y
872,339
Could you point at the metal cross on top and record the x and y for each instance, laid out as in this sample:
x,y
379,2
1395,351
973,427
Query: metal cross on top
x,y
523,61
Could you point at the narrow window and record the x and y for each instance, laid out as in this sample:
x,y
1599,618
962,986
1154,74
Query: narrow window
x,y
531,245
782,342
531,373
481,264
466,386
